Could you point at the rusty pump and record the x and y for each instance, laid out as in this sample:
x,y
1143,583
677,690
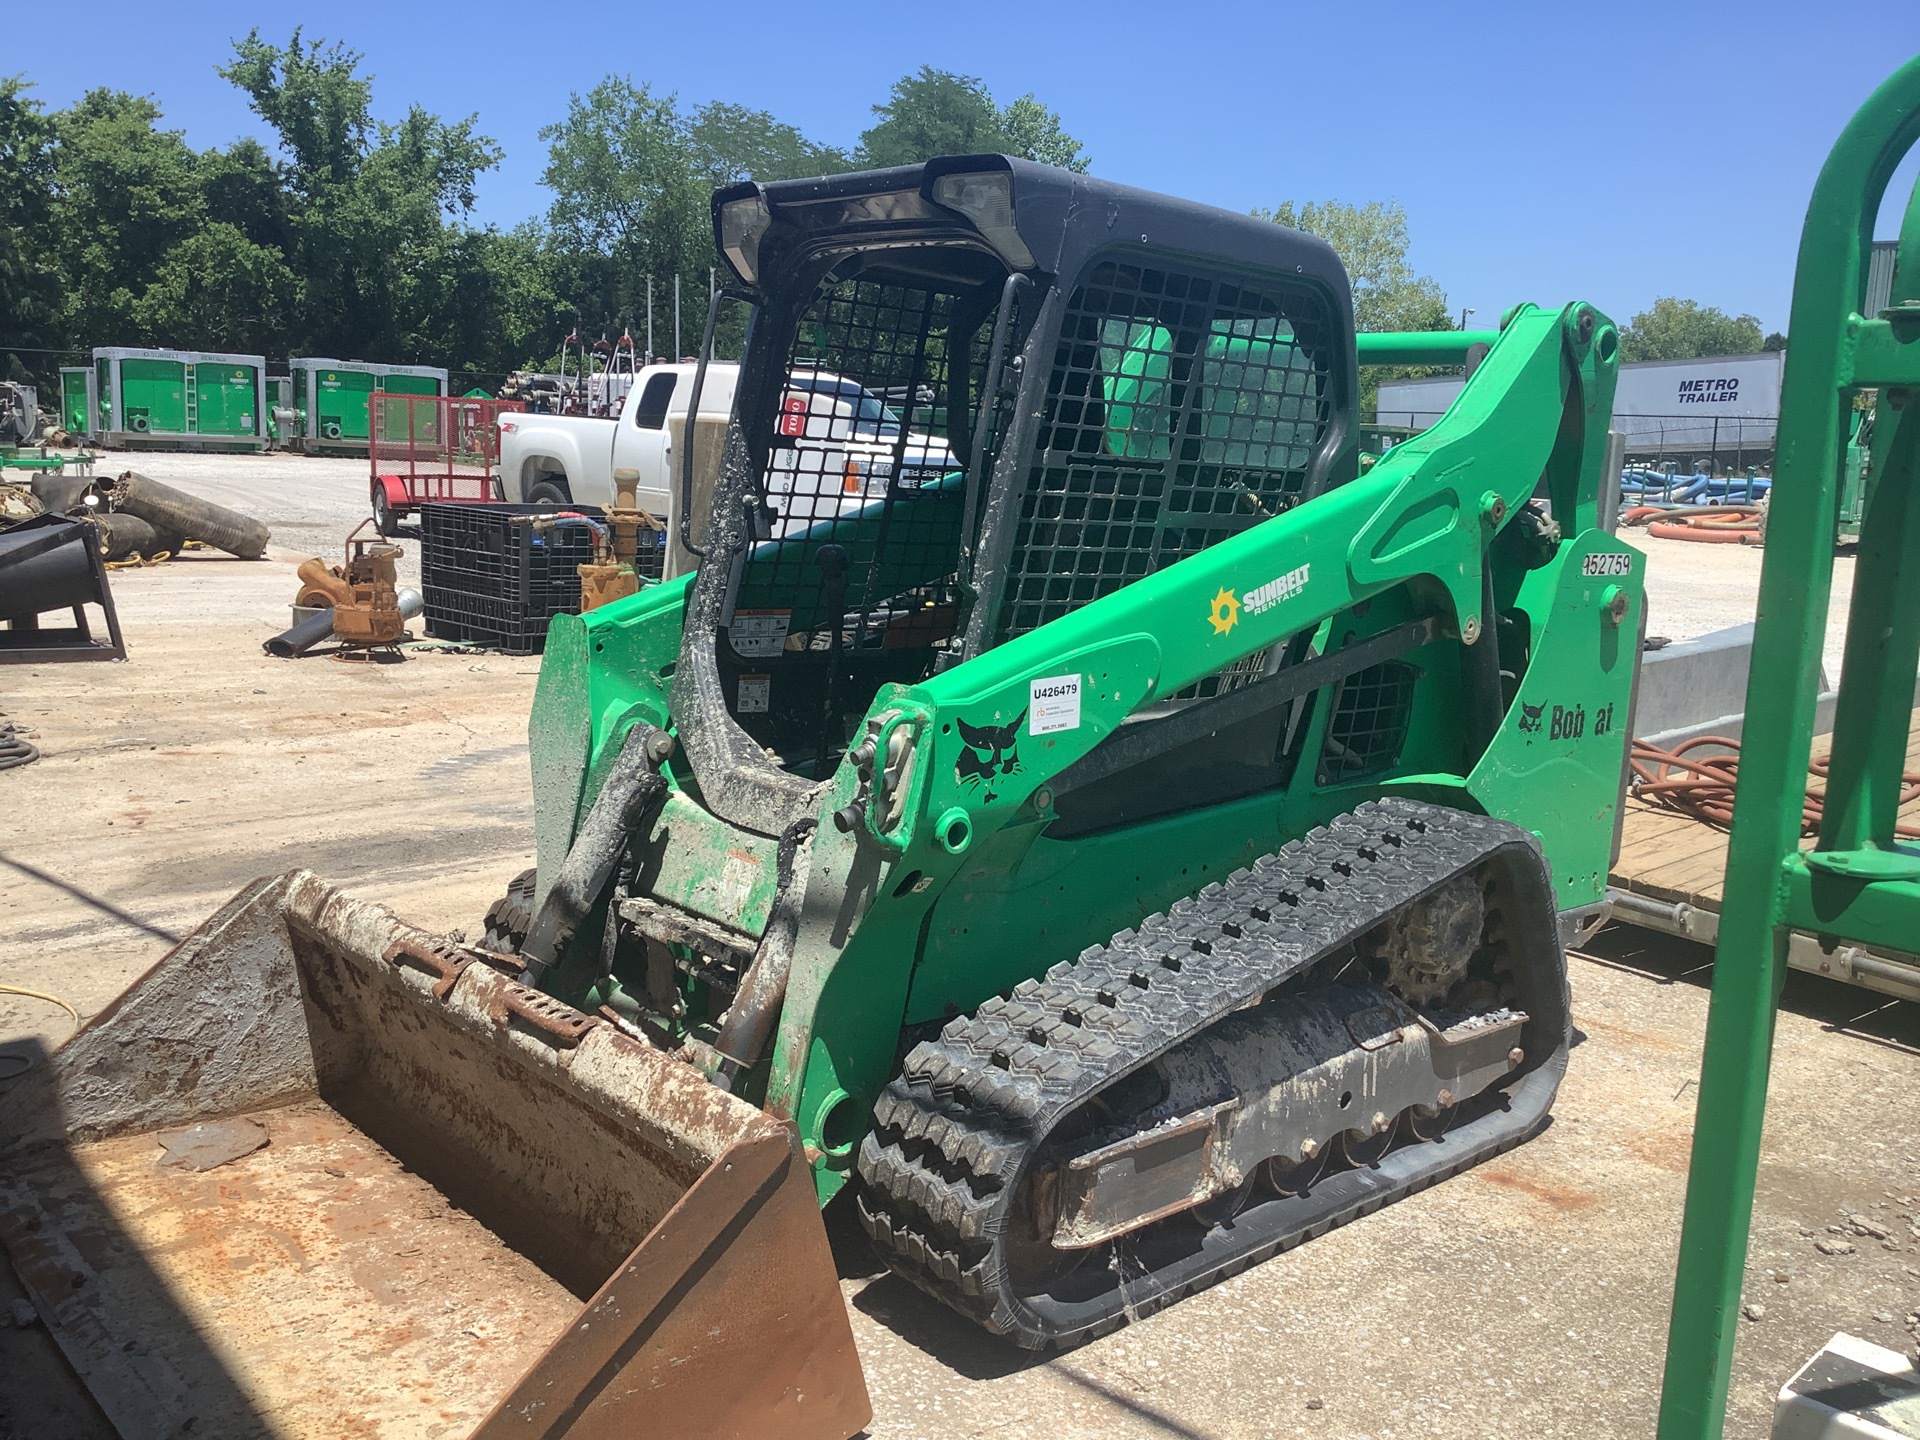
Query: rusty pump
x,y
614,572
359,602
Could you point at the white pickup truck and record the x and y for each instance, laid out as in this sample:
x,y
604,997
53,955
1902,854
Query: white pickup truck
x,y
834,446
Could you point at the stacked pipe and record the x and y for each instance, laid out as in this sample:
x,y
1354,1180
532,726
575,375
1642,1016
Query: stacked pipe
x,y
175,512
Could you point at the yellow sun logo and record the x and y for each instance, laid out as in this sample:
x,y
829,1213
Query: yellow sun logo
x,y
1226,611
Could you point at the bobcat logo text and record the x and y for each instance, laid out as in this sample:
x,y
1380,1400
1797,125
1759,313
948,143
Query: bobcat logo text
x,y
1565,722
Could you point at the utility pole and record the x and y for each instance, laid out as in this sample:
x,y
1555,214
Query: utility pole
x,y
1464,313
677,351
649,319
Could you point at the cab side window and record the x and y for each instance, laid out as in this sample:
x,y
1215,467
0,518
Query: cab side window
x,y
651,412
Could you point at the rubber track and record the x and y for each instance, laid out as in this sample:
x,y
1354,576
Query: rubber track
x,y
510,917
939,1169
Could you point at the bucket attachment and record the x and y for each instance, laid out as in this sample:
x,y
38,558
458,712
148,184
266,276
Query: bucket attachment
x,y
319,1174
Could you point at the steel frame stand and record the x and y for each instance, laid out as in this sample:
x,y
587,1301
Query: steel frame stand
x,y
1858,883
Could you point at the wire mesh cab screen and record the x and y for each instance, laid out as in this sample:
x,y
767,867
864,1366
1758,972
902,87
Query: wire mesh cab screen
x,y
864,496
1183,406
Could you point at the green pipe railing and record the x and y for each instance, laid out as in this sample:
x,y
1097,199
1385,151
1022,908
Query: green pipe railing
x,y
1858,883
1421,347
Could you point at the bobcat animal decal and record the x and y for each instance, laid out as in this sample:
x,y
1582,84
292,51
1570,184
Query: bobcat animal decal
x,y
1530,716
989,753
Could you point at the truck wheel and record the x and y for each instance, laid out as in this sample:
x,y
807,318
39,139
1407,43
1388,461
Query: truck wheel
x,y
547,492
384,520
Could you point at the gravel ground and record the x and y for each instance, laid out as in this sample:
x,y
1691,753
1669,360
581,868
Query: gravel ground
x,y
1528,1297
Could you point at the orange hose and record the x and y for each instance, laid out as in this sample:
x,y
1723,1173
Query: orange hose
x,y
1723,525
1702,786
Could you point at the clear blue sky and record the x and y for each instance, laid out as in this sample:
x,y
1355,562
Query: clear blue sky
x,y
1546,151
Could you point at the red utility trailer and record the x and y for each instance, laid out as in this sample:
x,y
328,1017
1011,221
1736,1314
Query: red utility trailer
x,y
432,448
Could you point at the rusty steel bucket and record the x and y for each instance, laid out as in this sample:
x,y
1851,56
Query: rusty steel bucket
x,y
319,1173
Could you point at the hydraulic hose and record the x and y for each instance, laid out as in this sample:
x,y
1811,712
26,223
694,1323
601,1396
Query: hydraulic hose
x,y
15,751
629,798
1723,525
763,989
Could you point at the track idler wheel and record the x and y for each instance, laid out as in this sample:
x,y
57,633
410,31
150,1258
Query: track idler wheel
x,y
1224,1206
1427,1123
1295,1177
1363,1149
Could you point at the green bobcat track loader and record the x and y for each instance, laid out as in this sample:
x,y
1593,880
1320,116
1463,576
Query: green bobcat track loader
x,y
1144,835
1069,806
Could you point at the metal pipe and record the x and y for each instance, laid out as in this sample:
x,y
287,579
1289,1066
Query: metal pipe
x,y
292,643
1844,962
1421,347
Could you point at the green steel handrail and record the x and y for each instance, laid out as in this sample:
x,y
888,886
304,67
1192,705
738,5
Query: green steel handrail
x,y
1832,352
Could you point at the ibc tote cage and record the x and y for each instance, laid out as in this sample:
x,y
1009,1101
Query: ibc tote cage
x,y
438,448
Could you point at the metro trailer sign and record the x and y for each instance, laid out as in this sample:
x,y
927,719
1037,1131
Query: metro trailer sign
x,y
1710,392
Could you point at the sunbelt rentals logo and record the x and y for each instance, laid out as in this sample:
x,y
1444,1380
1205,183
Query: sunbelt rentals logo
x,y
1227,607
1259,601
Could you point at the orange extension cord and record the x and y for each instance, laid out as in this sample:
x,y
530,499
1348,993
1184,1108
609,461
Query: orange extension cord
x,y
1702,786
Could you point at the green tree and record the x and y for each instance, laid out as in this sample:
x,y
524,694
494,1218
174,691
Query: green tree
x,y
1372,242
937,112
29,278
126,192
620,170
314,97
932,113
217,290
1034,132
630,200
1676,329
498,307
368,205
243,186
731,142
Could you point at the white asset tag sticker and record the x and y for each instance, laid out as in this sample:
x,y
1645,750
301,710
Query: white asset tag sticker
x,y
1054,704
755,633
1607,563
753,695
